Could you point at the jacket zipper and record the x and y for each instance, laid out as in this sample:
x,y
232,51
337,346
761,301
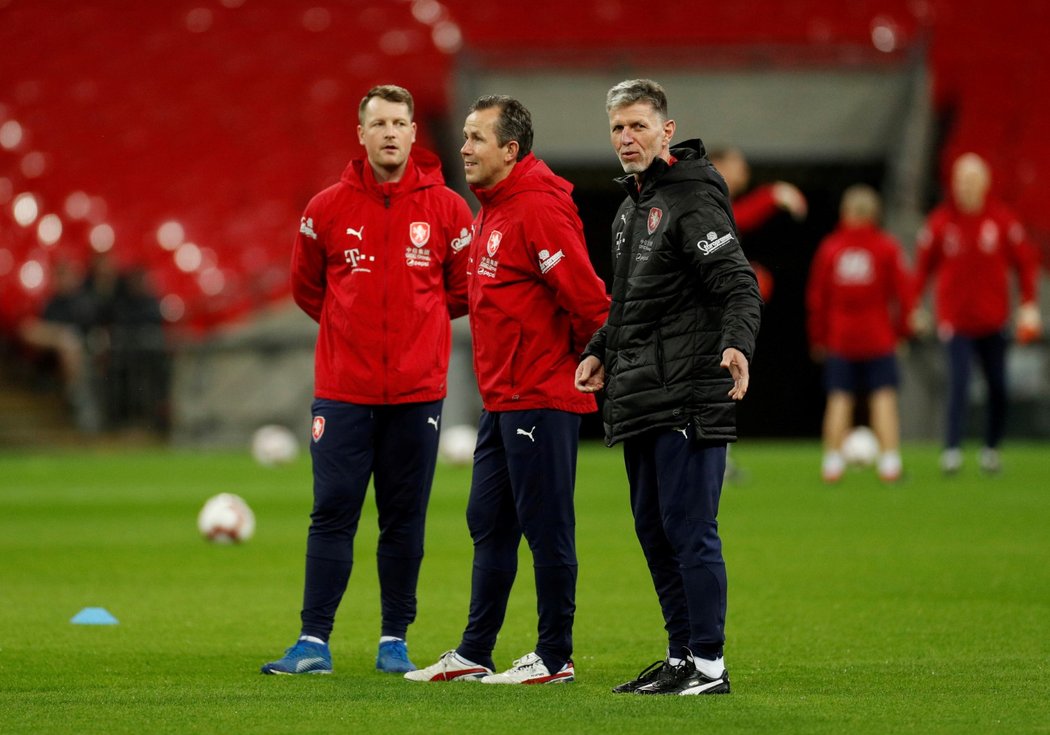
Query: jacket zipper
x,y
386,287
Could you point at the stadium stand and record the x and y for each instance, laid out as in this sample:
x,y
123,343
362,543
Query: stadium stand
x,y
185,136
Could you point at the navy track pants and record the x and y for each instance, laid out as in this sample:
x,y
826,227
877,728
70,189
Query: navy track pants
x,y
396,446
990,351
676,484
523,484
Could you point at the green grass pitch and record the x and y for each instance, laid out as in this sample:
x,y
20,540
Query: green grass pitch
x,y
923,607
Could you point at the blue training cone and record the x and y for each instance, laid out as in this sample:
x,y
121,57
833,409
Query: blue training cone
x,y
94,616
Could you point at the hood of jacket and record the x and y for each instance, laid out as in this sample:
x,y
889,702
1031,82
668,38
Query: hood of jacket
x,y
530,174
423,170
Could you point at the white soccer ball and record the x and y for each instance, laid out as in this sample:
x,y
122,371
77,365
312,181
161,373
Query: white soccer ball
x,y
226,519
456,445
273,445
861,447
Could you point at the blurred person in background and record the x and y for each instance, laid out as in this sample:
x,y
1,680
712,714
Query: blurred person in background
x,y
859,298
380,264
673,357
970,244
63,329
535,300
139,371
752,209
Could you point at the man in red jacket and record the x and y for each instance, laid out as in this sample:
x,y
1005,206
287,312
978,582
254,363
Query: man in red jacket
x,y
859,298
535,300
380,264
971,243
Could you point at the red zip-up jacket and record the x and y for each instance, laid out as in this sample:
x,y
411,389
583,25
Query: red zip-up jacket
x,y
972,255
859,294
382,268
535,299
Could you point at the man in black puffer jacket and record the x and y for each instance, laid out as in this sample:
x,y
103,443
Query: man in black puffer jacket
x,y
673,357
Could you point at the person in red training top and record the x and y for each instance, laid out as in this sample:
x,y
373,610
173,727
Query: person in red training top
x,y
754,208
859,297
971,243
380,264
535,300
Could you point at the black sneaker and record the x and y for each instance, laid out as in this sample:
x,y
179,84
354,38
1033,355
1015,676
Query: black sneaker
x,y
685,679
700,684
669,679
648,675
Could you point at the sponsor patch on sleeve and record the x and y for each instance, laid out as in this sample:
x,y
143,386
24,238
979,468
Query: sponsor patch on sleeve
x,y
713,242
549,260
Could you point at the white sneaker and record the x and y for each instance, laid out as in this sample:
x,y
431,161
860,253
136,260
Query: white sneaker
x,y
832,468
450,667
890,467
989,461
529,669
951,461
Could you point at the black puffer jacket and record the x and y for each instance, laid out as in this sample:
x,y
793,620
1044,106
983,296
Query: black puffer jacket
x,y
682,292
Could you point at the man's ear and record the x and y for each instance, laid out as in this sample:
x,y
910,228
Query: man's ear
x,y
512,151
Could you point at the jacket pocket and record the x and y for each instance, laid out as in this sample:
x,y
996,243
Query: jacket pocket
x,y
716,422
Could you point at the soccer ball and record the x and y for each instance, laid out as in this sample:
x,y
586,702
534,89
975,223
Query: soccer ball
x,y
456,445
273,445
861,447
226,519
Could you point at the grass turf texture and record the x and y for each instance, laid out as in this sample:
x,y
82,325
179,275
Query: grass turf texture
x,y
923,607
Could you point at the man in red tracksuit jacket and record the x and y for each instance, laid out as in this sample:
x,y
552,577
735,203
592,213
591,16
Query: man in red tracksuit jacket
x,y
971,243
859,298
535,300
380,264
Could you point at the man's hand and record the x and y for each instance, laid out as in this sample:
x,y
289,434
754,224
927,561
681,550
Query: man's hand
x,y
920,323
788,197
734,361
590,375
1029,322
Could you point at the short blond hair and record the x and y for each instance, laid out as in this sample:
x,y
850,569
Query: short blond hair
x,y
860,203
390,93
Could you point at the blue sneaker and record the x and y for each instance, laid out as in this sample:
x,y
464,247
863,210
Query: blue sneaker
x,y
393,658
305,657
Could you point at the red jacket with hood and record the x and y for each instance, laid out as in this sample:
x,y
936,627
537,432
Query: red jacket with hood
x,y
972,256
382,268
535,299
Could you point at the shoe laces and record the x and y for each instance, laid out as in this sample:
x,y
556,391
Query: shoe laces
x,y
395,649
650,672
528,662
303,648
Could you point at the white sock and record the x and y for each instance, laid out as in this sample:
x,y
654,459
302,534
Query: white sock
x,y
388,638
890,461
833,462
710,669
311,639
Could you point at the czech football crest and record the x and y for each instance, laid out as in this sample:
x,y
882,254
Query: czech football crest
x,y
317,430
419,233
493,244
655,215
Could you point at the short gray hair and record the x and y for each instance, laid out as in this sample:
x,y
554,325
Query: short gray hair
x,y
631,91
